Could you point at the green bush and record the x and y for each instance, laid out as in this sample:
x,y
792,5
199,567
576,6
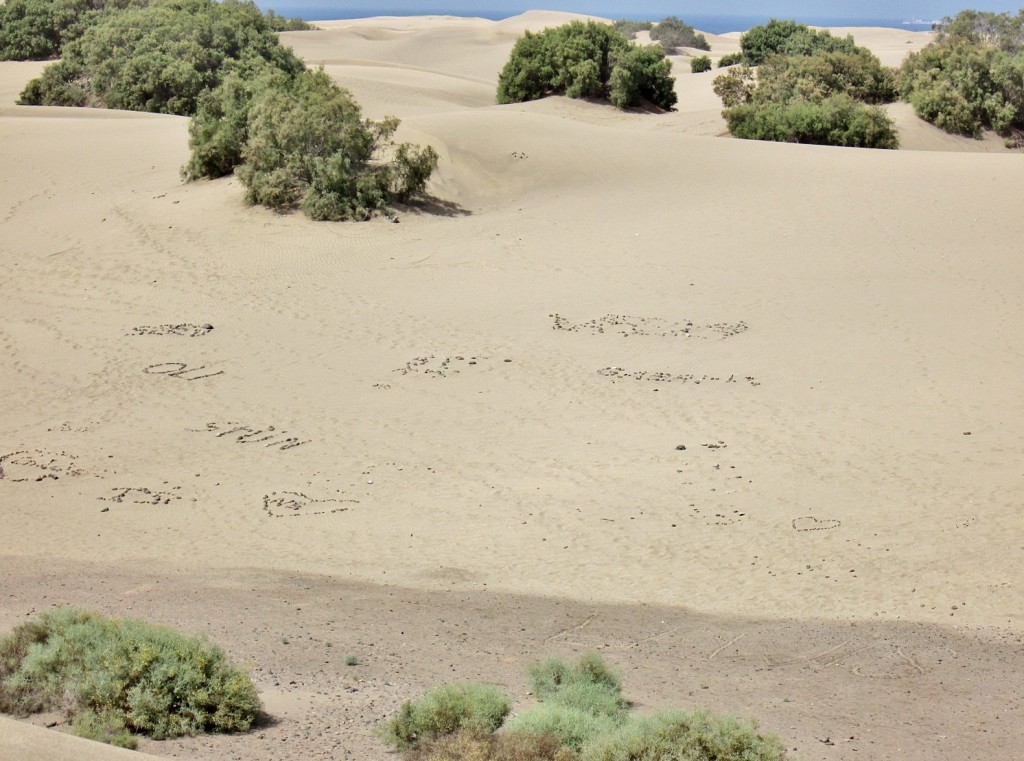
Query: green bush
x,y
474,745
836,120
586,60
700,64
789,38
118,677
672,34
629,27
686,736
574,727
822,98
972,78
38,29
307,147
478,708
730,59
549,676
161,58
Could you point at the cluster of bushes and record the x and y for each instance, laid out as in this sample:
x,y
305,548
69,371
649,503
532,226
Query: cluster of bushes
x,y
296,140
827,96
586,60
672,33
39,29
730,59
972,76
700,64
580,716
788,38
116,678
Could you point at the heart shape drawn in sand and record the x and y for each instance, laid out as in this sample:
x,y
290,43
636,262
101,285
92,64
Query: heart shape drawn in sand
x,y
291,504
813,524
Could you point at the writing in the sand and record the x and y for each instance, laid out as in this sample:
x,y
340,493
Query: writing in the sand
x,y
179,370
292,504
140,495
181,329
631,325
245,434
37,465
660,377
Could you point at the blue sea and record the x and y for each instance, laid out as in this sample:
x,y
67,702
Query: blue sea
x,y
712,24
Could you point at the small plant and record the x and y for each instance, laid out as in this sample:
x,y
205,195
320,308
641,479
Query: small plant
x,y
117,677
730,59
700,64
445,710
351,659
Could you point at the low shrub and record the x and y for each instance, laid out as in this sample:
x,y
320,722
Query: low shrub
x,y
118,677
700,64
550,676
474,745
730,59
685,736
586,60
836,120
574,727
629,28
672,33
476,708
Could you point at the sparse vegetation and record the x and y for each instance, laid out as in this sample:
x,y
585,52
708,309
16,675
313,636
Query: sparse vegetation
x,y
117,678
672,33
972,77
700,64
629,28
581,716
586,60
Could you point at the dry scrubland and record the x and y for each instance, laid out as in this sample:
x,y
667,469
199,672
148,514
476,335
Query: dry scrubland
x,y
744,417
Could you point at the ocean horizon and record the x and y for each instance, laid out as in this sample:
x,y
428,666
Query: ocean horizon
x,y
710,23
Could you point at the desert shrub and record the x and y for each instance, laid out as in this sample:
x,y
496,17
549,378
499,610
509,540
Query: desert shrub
x,y
629,28
672,33
585,60
835,120
969,80
789,38
574,727
822,98
700,64
477,708
551,675
308,147
160,58
38,29
284,24
685,736
475,745
730,59
119,677
997,30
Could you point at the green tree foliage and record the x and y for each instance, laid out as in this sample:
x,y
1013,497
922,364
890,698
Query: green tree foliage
x,y
307,147
38,29
122,677
789,38
586,60
284,24
672,34
822,98
161,58
972,77
996,30
700,64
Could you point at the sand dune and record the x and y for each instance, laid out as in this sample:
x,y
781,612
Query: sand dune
x,y
625,362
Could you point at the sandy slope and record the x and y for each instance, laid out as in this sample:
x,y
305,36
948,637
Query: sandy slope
x,y
619,361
